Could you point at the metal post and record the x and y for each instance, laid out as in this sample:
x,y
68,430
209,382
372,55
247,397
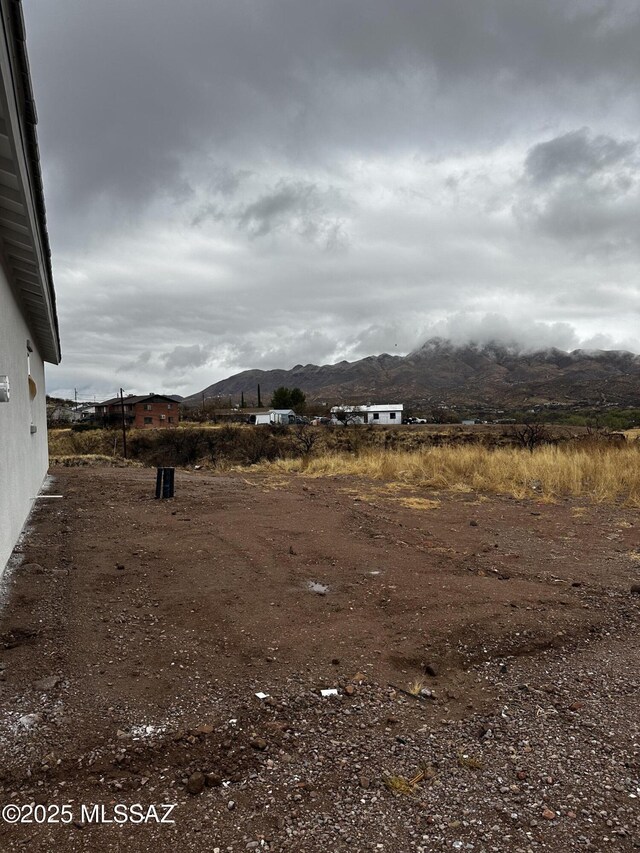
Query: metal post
x,y
165,483
171,472
124,425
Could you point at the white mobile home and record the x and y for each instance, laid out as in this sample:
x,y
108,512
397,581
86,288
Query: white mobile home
x,y
274,416
389,413
28,322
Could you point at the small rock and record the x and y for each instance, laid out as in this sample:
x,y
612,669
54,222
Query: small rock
x,y
635,589
365,782
258,743
231,805
349,689
547,814
432,670
213,780
473,523
47,683
120,566
196,783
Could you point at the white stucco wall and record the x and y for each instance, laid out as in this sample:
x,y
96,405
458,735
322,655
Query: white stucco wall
x,y
385,418
23,456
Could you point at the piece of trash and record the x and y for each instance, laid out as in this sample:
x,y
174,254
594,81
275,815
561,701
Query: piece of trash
x,y
28,721
262,695
145,731
197,467
233,722
318,588
330,691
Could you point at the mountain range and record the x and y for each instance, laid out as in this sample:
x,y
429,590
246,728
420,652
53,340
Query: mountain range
x,y
442,373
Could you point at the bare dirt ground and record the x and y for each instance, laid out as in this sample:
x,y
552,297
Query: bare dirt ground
x,y
135,634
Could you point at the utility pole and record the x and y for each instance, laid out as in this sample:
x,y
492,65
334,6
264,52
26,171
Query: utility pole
x,y
259,400
124,425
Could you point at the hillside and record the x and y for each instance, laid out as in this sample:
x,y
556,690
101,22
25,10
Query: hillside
x,y
442,373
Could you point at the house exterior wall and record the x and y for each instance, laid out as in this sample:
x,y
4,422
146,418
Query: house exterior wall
x,y
158,411
384,417
23,454
162,413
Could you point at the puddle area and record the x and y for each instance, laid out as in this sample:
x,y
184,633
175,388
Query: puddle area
x,y
318,588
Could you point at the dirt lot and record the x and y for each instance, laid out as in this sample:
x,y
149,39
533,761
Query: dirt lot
x,y
135,634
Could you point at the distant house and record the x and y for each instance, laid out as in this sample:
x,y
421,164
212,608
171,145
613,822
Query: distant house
x,y
273,416
150,411
389,413
28,321
87,413
63,414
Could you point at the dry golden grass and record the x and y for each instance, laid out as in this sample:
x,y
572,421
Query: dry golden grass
x,y
416,686
418,503
469,762
601,474
88,459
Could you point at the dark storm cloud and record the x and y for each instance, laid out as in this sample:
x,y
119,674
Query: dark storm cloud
x,y
127,90
300,207
585,190
181,357
297,181
578,154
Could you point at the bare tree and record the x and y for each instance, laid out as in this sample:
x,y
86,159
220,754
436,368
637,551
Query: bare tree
x,y
348,415
304,438
531,434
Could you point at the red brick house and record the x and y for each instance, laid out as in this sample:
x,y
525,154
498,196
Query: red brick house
x,y
150,411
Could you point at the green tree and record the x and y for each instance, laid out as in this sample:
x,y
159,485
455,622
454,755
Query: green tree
x,y
281,398
298,400
288,398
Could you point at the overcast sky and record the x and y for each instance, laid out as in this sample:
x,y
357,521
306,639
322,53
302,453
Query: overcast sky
x,y
259,183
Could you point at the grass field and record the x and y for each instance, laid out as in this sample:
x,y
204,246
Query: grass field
x,y
595,470
601,474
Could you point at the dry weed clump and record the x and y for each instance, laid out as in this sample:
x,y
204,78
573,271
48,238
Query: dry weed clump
x,y
602,473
